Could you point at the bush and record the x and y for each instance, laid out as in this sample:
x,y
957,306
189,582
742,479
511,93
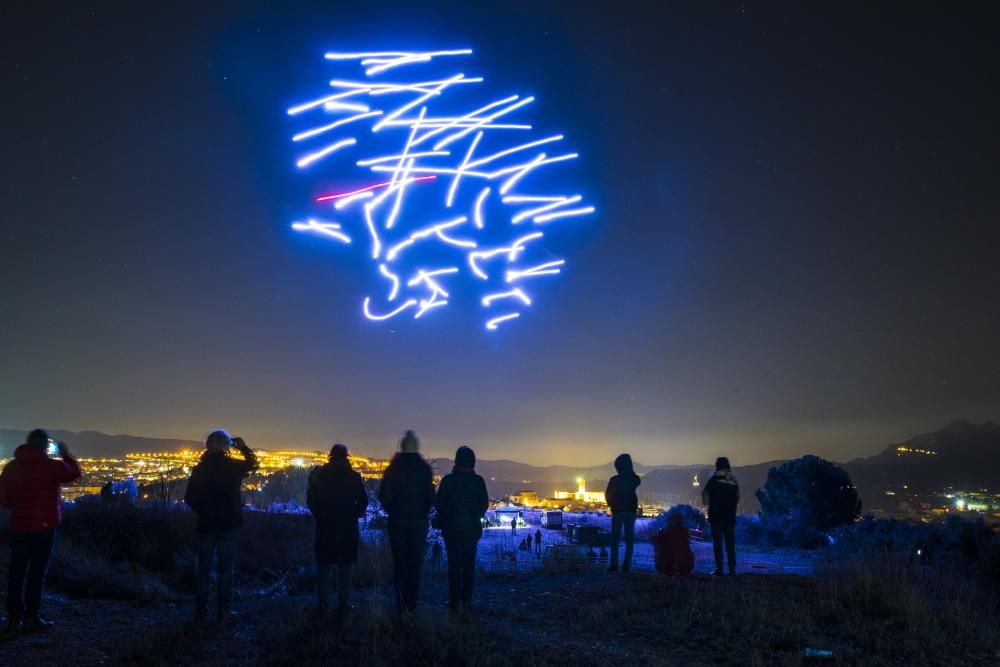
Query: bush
x,y
805,497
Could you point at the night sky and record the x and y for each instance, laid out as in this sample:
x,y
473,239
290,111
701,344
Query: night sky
x,y
795,248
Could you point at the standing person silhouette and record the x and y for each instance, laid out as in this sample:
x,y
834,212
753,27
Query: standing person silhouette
x,y
214,493
461,503
624,503
722,495
31,487
407,494
337,498
538,541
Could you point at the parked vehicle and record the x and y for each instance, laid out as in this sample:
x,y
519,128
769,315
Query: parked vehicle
x,y
552,519
591,536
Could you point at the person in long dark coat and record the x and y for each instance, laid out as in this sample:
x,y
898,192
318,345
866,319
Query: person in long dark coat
x,y
337,498
461,502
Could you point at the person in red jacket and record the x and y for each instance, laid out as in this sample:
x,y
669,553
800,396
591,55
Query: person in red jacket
x,y
31,486
672,547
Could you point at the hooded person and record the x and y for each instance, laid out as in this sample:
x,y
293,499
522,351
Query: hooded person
x,y
337,498
31,487
407,494
722,495
214,494
624,503
461,504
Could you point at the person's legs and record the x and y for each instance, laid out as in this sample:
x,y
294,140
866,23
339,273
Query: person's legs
x,y
730,534
323,573
227,558
19,556
40,550
454,547
616,536
629,526
397,544
416,546
344,585
206,554
468,568
716,528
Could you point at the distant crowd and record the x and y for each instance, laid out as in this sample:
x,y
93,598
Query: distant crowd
x,y
30,486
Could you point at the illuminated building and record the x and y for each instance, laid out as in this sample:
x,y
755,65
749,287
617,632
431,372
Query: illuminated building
x,y
582,495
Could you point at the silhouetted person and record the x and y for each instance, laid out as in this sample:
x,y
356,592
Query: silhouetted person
x,y
30,486
722,495
624,503
513,526
528,540
337,498
461,503
672,547
107,493
538,541
407,494
214,494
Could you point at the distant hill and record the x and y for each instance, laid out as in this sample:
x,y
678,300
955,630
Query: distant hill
x,y
93,444
961,454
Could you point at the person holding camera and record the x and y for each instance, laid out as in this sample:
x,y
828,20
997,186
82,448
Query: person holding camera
x,y
31,487
214,494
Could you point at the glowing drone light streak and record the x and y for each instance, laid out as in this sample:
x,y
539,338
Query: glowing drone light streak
x,y
435,141
322,153
561,201
367,188
308,134
548,217
547,269
331,229
492,324
514,293
409,304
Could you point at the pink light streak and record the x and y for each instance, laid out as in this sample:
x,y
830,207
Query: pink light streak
x,y
371,187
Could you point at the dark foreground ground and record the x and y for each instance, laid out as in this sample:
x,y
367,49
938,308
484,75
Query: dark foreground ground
x,y
592,618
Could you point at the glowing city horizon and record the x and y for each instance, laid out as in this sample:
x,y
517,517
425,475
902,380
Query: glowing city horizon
x,y
421,250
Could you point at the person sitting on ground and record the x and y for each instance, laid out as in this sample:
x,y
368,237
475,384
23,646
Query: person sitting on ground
x,y
214,493
524,545
722,495
461,503
31,486
337,498
624,503
672,547
407,494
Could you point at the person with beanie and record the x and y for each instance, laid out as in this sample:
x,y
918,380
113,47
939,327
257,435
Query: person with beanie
x,y
337,498
31,487
407,494
461,503
624,503
722,495
214,494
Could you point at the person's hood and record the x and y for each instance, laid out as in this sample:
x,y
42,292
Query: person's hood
x,y
623,464
30,454
725,476
465,458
